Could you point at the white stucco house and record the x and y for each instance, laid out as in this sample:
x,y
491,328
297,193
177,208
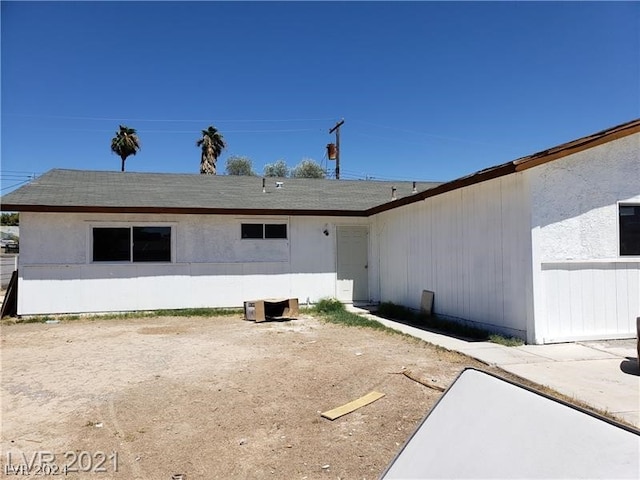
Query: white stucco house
x,y
546,247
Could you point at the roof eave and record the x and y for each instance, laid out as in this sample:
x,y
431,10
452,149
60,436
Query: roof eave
x,y
482,176
575,146
524,163
179,210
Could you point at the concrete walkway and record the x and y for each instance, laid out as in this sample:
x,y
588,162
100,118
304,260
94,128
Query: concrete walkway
x,y
602,374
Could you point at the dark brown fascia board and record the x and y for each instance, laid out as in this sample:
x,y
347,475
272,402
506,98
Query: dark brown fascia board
x,y
180,210
478,177
578,145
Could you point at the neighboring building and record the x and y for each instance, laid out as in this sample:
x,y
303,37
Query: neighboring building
x,y
546,247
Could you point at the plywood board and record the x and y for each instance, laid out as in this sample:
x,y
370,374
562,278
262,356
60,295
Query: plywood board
x,y
352,406
426,302
486,427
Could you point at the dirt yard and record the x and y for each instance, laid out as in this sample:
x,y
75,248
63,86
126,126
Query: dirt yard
x,y
210,398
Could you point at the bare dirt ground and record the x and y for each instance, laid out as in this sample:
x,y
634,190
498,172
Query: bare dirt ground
x,y
211,397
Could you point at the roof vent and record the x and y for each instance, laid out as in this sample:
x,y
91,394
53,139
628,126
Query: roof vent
x,y
279,184
264,186
393,193
415,190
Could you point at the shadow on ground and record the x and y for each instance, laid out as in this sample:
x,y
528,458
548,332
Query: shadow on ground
x,y
419,325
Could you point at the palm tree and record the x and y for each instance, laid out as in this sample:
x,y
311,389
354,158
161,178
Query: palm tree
x,y
212,145
125,143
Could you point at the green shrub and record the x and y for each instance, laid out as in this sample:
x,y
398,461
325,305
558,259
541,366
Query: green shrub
x,y
506,341
333,311
329,305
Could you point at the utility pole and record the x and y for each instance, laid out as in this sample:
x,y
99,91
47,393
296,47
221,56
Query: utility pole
x,y
337,130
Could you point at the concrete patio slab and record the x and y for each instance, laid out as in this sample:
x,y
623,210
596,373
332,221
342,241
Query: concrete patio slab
x,y
499,355
623,348
567,351
599,383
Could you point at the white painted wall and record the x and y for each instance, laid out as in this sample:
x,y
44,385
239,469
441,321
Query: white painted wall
x,y
470,246
583,288
213,266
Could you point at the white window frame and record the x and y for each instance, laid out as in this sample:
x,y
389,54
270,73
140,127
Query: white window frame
x,y
264,222
624,204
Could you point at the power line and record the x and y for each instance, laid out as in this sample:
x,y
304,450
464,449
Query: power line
x,y
177,120
194,132
16,185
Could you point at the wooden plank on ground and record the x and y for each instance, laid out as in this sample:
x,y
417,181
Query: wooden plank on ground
x,y
352,406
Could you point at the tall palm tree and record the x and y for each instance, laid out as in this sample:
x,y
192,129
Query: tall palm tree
x,y
212,145
125,143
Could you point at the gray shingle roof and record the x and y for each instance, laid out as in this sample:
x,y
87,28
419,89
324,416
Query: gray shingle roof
x,y
78,190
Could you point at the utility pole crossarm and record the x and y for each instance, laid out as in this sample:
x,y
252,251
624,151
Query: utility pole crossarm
x,y
338,125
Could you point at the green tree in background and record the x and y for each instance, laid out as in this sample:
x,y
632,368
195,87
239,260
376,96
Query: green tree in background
x,y
237,165
308,168
125,143
10,219
212,144
277,169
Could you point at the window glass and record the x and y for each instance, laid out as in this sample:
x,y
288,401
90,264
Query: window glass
x,y
252,230
275,230
111,244
629,229
151,244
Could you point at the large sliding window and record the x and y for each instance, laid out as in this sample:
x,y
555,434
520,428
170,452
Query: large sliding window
x,y
131,244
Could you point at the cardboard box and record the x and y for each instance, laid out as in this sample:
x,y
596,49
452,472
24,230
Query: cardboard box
x,y
271,309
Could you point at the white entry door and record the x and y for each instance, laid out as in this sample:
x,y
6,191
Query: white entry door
x,y
352,264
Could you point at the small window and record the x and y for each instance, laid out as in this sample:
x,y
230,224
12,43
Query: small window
x,y
629,229
252,230
126,244
151,244
275,230
111,245
264,230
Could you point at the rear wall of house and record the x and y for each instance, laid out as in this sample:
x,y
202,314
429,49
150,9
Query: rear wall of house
x,y
470,246
212,266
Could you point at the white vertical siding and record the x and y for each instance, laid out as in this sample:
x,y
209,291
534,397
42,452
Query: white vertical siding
x,y
583,287
589,300
470,246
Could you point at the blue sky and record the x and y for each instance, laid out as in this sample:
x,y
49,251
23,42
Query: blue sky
x,y
428,90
